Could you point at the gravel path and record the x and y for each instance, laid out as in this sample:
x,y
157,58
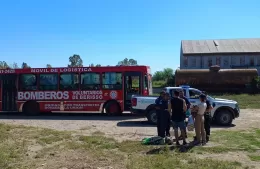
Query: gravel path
x,y
124,127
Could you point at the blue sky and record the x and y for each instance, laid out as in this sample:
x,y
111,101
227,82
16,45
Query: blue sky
x,y
107,31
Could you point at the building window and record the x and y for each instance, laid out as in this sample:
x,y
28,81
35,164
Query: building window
x,y
69,81
90,81
233,60
193,62
209,61
185,61
48,82
218,60
226,61
242,60
112,80
252,61
28,82
258,60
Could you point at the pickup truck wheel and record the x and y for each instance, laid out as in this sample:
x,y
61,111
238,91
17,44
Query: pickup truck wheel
x,y
224,117
151,116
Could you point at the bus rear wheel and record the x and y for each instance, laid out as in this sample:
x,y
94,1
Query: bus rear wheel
x,y
112,108
31,108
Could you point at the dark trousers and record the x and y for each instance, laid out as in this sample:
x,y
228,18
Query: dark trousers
x,y
163,123
207,123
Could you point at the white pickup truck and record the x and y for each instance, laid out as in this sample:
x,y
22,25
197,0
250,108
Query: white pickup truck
x,y
223,112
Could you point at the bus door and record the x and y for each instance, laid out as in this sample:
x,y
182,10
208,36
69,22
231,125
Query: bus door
x,y
9,92
132,86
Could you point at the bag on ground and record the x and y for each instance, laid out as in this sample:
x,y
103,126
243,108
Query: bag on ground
x,y
153,141
190,125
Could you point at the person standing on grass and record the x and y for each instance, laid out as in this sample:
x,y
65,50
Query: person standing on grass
x,y
199,121
167,114
187,111
177,107
207,117
159,106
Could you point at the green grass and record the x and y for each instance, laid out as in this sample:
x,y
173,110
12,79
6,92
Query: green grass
x,y
254,157
56,149
160,83
246,101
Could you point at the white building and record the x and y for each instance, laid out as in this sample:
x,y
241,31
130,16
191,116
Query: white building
x,y
227,53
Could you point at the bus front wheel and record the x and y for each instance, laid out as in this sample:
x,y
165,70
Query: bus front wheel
x,y
112,108
31,108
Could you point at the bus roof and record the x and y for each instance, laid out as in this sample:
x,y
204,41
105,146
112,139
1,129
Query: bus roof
x,y
77,69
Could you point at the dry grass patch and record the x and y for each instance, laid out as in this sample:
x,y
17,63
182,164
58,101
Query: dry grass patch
x,y
28,147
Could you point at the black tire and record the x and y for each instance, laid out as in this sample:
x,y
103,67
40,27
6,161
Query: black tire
x,y
151,116
224,117
31,108
117,108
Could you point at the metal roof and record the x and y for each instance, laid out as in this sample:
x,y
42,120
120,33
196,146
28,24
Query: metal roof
x,y
221,46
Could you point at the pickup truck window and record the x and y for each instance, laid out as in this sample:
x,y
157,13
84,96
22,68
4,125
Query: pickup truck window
x,y
194,94
172,92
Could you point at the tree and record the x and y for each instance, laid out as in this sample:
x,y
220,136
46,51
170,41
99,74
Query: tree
x,y
75,61
15,66
158,75
167,76
126,62
4,65
168,73
48,66
25,65
92,65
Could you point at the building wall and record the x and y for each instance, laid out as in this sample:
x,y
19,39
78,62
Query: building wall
x,y
224,61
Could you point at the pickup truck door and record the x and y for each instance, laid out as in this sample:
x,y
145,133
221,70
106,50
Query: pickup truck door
x,y
194,96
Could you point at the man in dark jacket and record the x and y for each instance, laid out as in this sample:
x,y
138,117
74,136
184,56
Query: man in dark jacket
x,y
162,114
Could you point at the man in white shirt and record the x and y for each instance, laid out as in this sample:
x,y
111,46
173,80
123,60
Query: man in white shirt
x,y
199,121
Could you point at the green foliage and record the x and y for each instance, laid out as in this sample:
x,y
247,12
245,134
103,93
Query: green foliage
x,y
92,65
48,66
4,65
75,61
25,65
164,78
127,62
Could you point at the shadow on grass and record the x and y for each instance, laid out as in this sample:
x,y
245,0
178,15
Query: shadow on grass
x,y
69,116
145,123
140,123
181,149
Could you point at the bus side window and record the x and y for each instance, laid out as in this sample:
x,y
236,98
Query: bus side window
x,y
69,81
28,82
48,82
112,80
90,81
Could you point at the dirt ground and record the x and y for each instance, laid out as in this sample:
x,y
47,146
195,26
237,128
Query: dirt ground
x,y
126,127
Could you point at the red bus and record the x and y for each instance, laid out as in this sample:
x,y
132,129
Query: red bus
x,y
73,89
